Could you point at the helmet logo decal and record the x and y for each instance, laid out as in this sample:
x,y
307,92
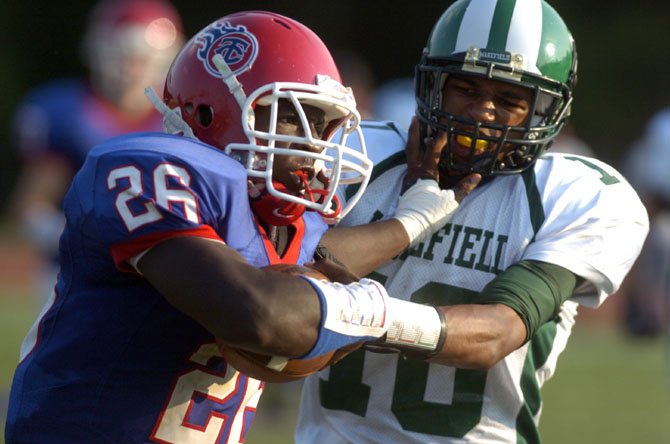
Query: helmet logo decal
x,y
237,46
495,56
475,55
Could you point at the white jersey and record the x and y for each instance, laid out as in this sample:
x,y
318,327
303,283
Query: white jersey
x,y
573,211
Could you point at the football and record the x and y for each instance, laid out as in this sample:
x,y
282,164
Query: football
x,y
277,368
272,368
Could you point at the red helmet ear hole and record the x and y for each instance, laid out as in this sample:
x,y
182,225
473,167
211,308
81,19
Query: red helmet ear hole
x,y
204,115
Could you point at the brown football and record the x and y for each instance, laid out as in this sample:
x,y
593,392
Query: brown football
x,y
272,368
276,368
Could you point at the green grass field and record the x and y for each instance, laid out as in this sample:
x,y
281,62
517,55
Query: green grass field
x,y
608,389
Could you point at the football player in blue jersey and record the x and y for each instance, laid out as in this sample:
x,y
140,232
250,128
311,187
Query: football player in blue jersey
x,y
168,236
127,45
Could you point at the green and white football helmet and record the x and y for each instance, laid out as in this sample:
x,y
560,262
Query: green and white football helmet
x,y
524,42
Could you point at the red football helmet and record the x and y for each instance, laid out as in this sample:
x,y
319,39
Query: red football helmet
x,y
257,58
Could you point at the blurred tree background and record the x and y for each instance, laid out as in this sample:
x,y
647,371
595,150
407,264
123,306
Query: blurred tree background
x,y
624,53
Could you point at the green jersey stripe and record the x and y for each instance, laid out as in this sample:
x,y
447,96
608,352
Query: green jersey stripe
x,y
536,210
539,349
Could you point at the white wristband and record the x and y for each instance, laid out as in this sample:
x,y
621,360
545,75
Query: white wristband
x,y
349,313
415,326
425,208
356,309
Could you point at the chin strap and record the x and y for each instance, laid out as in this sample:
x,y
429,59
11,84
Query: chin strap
x,y
336,208
319,192
277,211
271,209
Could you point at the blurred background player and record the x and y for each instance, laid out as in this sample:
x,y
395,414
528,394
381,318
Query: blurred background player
x,y
647,288
568,142
394,100
357,74
127,46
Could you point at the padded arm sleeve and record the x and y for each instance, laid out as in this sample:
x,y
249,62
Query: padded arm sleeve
x,y
535,290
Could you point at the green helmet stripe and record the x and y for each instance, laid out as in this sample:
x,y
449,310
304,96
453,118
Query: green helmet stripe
x,y
502,18
452,32
471,32
531,28
503,26
446,37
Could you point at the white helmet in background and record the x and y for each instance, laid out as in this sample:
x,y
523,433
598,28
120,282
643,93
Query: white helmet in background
x,y
129,45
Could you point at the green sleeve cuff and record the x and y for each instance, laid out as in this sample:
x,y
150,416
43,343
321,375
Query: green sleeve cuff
x,y
535,290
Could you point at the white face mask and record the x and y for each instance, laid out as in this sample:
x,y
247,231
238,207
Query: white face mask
x,y
338,163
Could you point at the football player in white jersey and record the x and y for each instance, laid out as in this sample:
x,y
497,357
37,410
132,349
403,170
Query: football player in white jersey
x,y
540,235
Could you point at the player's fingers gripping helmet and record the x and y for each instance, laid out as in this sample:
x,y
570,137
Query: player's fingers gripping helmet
x,y
254,58
130,44
524,42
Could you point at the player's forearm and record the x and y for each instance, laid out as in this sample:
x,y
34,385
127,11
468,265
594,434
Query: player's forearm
x,y
465,336
364,248
242,305
479,336
262,310
422,210
304,317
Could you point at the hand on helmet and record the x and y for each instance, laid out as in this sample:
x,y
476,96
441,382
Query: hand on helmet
x,y
423,164
424,207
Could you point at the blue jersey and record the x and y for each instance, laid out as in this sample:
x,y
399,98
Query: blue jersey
x,y
65,118
109,360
